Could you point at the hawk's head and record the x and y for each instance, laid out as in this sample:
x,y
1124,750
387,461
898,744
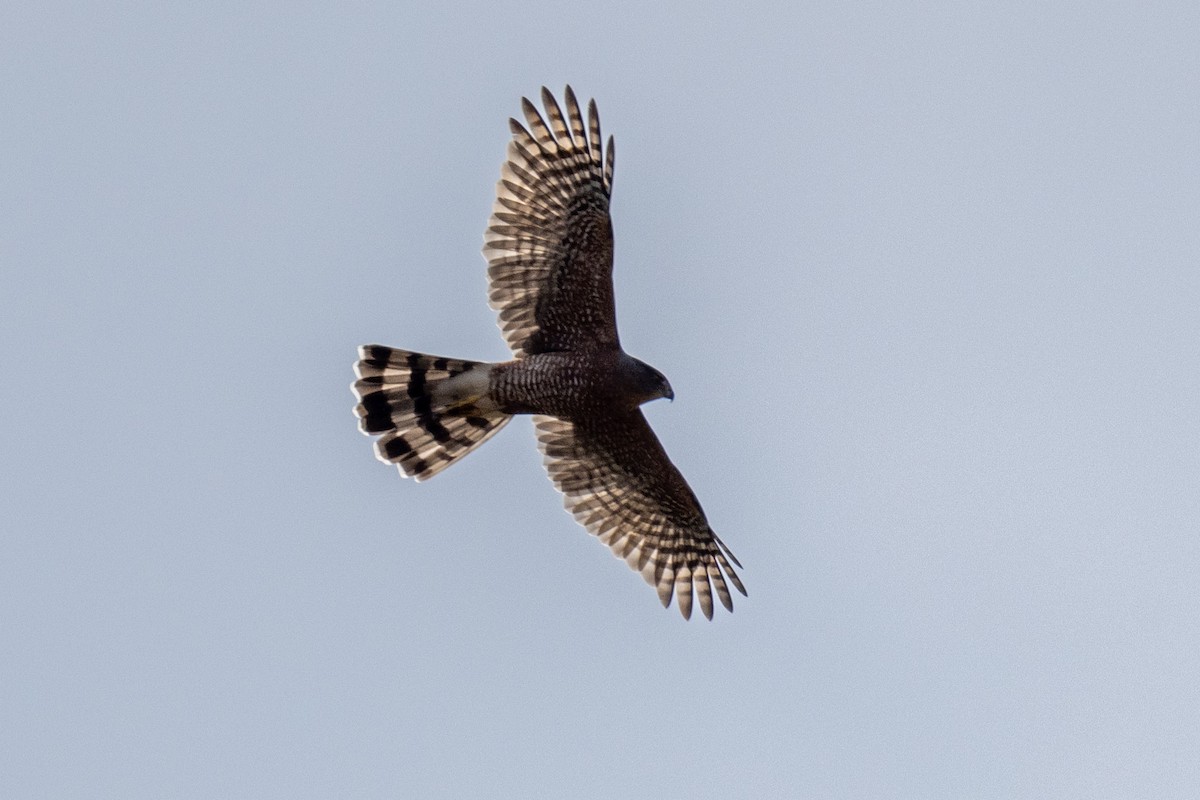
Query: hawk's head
x,y
646,383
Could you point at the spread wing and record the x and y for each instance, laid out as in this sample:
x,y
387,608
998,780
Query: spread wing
x,y
549,241
619,484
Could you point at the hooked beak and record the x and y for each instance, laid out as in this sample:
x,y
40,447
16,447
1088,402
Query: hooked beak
x,y
670,393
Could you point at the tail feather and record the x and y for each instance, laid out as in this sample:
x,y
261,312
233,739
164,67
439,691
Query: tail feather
x,y
430,411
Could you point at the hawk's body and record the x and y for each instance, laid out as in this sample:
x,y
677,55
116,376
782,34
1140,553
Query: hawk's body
x,y
549,247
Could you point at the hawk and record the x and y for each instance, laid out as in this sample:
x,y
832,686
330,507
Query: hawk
x,y
549,248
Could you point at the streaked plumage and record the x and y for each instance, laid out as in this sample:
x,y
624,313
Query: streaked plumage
x,y
549,248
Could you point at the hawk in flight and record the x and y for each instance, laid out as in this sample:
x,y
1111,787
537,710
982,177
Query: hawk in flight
x,y
549,248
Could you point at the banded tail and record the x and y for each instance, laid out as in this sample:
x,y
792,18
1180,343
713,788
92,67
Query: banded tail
x,y
430,411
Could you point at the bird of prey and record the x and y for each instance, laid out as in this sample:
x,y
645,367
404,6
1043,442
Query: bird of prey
x,y
549,249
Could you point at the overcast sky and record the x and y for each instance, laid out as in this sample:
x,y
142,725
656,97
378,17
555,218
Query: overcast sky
x,y
925,279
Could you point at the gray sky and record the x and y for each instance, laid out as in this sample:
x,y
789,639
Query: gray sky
x,y
925,281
